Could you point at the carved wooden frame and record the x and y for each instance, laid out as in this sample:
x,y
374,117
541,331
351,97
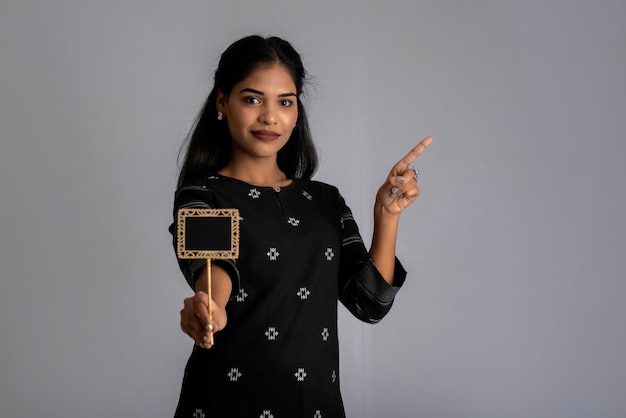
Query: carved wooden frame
x,y
183,214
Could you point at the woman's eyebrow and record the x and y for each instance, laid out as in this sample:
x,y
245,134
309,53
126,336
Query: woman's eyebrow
x,y
260,93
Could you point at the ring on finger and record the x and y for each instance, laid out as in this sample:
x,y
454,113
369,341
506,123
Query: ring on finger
x,y
394,191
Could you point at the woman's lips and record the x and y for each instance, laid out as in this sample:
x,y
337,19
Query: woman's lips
x,y
264,135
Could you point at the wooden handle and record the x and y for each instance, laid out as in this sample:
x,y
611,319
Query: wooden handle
x,y
210,306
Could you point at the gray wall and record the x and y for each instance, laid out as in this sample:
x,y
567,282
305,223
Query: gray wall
x,y
516,249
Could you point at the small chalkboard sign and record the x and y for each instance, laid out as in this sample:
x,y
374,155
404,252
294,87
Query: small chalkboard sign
x,y
208,234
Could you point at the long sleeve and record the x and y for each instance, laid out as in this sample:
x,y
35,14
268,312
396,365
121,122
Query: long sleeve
x,y
197,195
362,289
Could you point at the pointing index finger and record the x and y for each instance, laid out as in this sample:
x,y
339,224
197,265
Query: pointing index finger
x,y
416,151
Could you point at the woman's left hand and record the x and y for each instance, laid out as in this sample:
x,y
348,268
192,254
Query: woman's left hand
x,y
401,188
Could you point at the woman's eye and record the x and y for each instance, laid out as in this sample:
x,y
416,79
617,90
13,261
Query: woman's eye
x,y
286,103
252,100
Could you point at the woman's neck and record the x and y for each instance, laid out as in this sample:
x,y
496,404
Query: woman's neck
x,y
256,174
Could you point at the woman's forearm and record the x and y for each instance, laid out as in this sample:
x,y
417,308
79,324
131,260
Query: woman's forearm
x,y
383,248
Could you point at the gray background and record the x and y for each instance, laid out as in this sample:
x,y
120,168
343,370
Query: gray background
x,y
516,249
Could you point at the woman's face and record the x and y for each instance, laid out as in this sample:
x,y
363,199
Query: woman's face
x,y
261,112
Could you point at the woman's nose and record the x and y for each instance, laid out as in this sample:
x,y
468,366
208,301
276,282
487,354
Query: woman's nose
x,y
268,116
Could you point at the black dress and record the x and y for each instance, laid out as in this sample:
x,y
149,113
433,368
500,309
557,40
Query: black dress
x,y
300,251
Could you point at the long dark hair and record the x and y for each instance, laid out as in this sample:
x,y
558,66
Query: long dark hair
x,y
208,146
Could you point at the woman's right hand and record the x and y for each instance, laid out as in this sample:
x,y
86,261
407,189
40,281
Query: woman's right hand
x,y
197,322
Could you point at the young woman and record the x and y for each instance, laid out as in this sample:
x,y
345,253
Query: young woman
x,y
274,309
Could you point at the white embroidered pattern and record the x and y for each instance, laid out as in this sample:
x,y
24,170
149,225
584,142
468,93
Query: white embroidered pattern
x,y
271,333
198,414
318,414
303,293
308,196
241,297
293,221
300,374
334,376
273,254
234,374
329,254
254,193
266,414
325,334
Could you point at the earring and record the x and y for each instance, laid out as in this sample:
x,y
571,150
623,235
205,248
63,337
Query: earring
x,y
220,116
